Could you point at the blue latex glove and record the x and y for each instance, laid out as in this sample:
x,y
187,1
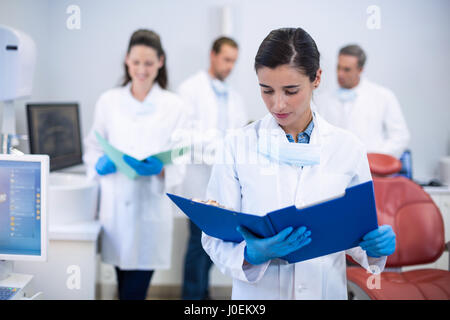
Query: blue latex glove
x,y
379,242
146,167
105,166
260,250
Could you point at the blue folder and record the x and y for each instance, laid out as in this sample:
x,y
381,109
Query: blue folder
x,y
336,225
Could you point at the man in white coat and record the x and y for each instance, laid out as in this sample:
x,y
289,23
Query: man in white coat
x,y
214,107
369,110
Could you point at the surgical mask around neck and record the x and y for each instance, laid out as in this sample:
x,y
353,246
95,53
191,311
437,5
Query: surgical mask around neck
x,y
297,154
220,87
346,95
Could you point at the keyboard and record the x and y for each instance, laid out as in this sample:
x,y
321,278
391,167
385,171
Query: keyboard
x,y
7,293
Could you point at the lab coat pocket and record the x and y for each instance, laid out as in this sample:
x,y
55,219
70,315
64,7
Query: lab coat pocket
x,y
150,193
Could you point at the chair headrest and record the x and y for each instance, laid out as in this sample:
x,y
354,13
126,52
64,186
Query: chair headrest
x,y
383,164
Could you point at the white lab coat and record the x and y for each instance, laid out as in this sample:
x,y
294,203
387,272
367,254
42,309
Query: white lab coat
x,y
203,107
258,189
375,117
136,214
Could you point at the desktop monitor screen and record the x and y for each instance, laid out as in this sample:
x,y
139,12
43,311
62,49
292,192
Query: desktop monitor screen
x,y
23,207
54,129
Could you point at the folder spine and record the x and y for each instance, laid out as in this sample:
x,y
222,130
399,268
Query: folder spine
x,y
269,224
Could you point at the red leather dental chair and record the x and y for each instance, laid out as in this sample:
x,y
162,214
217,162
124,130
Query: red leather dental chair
x,y
419,229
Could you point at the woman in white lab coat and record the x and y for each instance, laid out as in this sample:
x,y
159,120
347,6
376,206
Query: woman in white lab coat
x,y
138,119
309,160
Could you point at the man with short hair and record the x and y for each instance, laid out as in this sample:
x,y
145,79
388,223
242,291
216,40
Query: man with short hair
x,y
215,108
369,110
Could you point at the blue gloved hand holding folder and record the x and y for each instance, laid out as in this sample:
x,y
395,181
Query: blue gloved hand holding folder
x,y
285,233
260,250
379,242
146,167
105,165
132,167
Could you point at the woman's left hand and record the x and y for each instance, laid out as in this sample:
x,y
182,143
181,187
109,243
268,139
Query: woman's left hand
x,y
147,167
379,242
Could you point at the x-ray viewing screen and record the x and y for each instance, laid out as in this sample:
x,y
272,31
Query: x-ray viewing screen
x,y
54,130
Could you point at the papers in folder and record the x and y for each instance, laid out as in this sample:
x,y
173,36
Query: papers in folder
x,y
116,156
336,225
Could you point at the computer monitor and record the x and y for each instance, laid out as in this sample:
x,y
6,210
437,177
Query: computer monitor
x,y
23,207
54,129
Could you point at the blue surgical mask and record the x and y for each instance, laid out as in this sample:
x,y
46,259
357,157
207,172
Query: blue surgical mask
x,y
220,87
297,154
346,95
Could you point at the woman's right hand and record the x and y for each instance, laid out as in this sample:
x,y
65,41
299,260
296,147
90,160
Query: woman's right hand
x,y
260,250
105,166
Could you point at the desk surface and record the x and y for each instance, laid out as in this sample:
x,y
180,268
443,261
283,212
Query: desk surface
x,y
437,190
83,231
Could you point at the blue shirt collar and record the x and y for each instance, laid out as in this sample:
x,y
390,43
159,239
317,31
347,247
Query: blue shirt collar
x,y
303,137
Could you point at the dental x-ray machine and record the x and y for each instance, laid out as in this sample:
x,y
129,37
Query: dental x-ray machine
x,y
17,61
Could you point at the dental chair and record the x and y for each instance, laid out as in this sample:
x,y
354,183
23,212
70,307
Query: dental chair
x,y
419,229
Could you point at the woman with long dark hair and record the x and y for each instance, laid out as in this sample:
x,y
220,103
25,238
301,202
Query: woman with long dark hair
x,y
137,118
304,160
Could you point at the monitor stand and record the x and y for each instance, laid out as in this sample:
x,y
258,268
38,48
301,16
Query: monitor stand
x,y
6,269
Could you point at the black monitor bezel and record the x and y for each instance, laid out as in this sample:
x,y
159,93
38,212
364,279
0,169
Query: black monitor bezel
x,y
56,163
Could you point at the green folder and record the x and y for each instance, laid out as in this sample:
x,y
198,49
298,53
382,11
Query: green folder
x,y
166,157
